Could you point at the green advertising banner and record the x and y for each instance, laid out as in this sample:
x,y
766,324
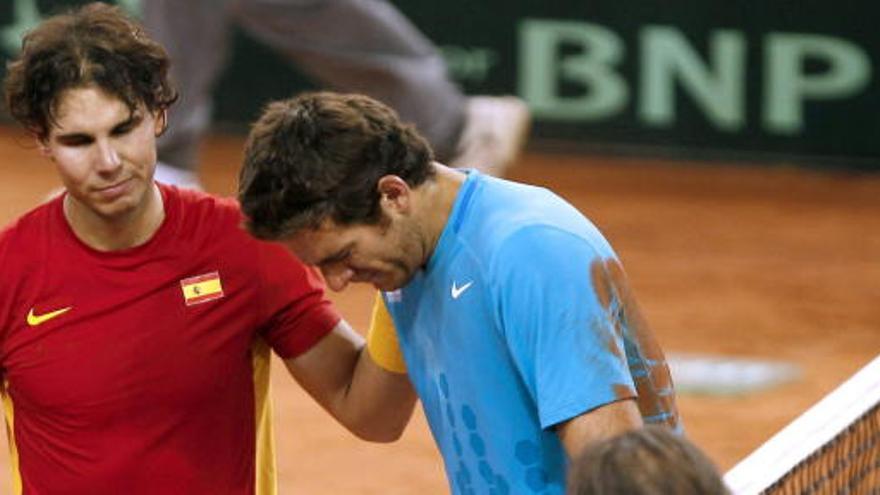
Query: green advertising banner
x,y
749,78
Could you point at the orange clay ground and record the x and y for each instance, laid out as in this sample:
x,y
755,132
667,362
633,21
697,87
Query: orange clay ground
x,y
772,262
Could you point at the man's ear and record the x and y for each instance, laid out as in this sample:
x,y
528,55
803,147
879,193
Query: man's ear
x,y
43,146
161,122
394,194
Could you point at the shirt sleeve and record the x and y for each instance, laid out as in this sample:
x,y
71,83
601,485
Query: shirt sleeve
x,y
560,329
294,303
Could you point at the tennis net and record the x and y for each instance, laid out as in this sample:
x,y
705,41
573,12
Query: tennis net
x,y
833,448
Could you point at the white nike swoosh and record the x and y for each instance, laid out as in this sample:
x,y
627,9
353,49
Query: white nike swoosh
x,y
457,291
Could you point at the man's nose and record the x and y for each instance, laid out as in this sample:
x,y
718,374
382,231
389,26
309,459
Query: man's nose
x,y
108,157
337,277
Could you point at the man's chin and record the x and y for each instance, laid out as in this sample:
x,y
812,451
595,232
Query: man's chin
x,y
388,285
384,287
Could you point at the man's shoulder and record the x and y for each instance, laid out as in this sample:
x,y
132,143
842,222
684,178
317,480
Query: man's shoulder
x,y
193,199
34,222
508,212
199,211
25,243
207,223
518,223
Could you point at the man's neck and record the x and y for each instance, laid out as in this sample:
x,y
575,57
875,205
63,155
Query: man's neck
x,y
112,234
436,204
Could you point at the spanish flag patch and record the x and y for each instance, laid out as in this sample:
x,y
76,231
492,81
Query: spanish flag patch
x,y
202,288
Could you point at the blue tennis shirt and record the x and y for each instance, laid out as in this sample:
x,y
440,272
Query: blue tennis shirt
x,y
505,335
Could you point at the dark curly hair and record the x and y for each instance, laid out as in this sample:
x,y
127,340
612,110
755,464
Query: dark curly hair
x,y
96,44
320,156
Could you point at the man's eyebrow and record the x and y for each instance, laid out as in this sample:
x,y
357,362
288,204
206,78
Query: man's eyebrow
x,y
73,135
132,118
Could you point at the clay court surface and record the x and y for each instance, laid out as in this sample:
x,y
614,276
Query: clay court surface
x,y
773,262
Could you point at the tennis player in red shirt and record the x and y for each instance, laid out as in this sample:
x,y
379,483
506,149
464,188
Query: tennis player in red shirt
x,y
137,319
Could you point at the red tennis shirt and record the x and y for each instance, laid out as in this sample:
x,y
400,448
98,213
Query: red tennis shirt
x,y
146,370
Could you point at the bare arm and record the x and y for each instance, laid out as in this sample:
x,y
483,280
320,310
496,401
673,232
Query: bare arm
x,y
600,423
373,403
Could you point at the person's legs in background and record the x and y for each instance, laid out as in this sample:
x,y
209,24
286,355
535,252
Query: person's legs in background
x,y
196,35
362,46
367,47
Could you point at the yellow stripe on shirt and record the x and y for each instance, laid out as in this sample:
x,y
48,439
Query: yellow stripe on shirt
x,y
265,470
10,431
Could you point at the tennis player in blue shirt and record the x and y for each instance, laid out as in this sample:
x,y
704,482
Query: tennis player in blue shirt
x,y
516,323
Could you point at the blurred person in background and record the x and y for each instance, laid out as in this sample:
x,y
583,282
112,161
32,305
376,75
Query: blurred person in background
x,y
137,318
516,321
646,461
359,46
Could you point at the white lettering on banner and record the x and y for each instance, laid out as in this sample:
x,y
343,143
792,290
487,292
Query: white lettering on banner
x,y
669,66
605,91
788,85
667,58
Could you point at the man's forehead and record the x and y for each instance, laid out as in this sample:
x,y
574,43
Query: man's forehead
x,y
326,230
314,242
89,105
307,237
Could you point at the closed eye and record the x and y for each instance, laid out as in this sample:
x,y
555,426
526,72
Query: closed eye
x,y
75,140
336,258
127,126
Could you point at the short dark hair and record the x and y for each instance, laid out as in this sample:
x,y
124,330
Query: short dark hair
x,y
652,460
320,156
96,44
